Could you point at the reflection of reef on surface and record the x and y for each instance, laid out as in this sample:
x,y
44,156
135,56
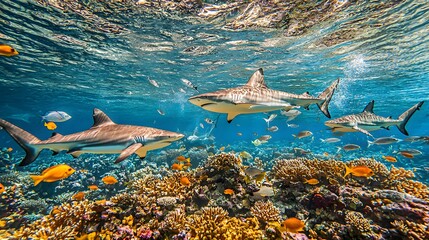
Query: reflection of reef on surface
x,y
387,205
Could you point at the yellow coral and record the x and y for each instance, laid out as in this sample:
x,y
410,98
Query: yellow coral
x,y
265,211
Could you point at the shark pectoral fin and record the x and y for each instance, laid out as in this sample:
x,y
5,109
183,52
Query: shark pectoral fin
x,y
128,151
141,153
362,130
231,116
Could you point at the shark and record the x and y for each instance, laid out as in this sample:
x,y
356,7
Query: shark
x,y
255,97
104,137
367,121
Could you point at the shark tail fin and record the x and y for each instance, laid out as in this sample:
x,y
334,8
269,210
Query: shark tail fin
x,y
326,96
25,139
37,179
406,116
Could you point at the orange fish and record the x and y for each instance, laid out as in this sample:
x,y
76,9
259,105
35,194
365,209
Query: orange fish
x,y
93,187
50,125
185,181
187,164
181,158
407,155
9,149
8,51
359,171
293,225
177,166
389,158
109,180
54,173
312,181
79,196
1,188
228,191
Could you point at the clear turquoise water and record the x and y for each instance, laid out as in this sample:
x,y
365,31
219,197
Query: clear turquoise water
x,y
68,63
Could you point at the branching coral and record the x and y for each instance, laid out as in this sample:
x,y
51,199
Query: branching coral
x,y
358,222
223,161
265,211
175,221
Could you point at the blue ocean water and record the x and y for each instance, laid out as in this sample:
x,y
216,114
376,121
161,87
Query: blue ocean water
x,y
76,61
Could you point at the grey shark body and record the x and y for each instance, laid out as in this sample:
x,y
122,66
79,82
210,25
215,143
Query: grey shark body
x,y
367,121
255,97
104,137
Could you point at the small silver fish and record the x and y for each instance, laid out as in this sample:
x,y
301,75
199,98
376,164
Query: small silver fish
x,y
270,118
209,121
160,112
383,141
303,134
153,82
201,125
273,129
189,84
409,151
292,125
252,171
264,191
351,147
330,140
264,138
56,116
291,114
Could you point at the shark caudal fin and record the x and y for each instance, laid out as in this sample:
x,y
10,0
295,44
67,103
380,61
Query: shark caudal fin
x,y
406,116
326,96
25,139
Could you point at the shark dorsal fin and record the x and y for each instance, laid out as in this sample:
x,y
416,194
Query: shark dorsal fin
x,y
55,135
100,118
369,107
257,79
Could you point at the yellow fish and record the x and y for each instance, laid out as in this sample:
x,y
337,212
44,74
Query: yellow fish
x,y
312,181
1,188
8,51
359,171
50,125
390,158
54,173
109,180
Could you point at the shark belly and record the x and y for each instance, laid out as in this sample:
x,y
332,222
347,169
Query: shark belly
x,y
242,108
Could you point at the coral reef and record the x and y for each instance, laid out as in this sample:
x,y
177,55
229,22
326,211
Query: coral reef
x,y
265,211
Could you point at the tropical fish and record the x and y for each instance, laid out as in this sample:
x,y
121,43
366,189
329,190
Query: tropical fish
x,y
176,166
245,155
153,82
383,141
273,129
258,142
351,147
201,125
407,154
252,171
50,125
255,97
270,118
181,158
93,187
239,134
56,116
189,84
9,149
185,181
330,140
359,171
291,114
367,121
7,51
1,188
410,151
79,196
312,181
54,173
390,158
303,134
103,137
264,191
109,180
228,191
264,138
293,225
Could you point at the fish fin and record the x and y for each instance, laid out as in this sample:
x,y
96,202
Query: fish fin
x,y
348,170
370,143
25,139
55,136
231,117
128,151
37,179
257,79
362,130
326,96
141,153
101,119
407,115
369,108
